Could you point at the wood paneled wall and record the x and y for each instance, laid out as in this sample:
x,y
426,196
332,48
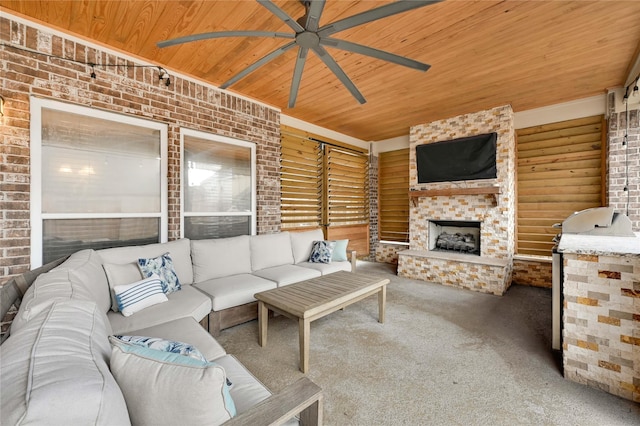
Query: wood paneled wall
x,y
560,171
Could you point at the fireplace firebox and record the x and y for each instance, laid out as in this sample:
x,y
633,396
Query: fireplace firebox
x,y
455,236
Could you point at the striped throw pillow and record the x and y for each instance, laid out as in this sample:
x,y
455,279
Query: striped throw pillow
x,y
141,294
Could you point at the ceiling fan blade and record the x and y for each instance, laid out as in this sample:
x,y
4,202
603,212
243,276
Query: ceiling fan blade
x,y
297,75
271,56
335,68
284,16
373,14
374,53
313,15
222,34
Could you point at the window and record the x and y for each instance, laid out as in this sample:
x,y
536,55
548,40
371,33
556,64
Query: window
x,y
393,196
98,180
219,186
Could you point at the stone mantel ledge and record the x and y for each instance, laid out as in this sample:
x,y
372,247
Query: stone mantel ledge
x,y
459,257
600,245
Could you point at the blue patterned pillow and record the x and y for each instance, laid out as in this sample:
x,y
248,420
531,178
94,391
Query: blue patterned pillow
x,y
164,345
321,251
163,267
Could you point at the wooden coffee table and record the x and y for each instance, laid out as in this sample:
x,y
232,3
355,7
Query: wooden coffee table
x,y
309,300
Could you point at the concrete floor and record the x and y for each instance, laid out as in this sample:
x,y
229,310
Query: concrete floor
x,y
444,356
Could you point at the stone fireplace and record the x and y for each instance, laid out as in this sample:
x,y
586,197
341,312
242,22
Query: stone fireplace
x,y
483,209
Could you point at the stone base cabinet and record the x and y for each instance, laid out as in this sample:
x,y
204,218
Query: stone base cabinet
x,y
62,365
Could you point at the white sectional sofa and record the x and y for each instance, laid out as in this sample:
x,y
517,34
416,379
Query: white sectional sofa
x,y
62,365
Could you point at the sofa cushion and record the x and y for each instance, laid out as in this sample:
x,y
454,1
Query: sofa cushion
x,y
85,269
185,330
180,251
327,268
141,294
187,302
169,388
220,258
57,368
162,266
121,274
269,250
301,243
235,290
287,274
47,288
246,390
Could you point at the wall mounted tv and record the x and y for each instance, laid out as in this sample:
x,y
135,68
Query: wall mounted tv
x,y
469,158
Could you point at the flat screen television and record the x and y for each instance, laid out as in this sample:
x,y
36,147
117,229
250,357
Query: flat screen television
x,y
469,158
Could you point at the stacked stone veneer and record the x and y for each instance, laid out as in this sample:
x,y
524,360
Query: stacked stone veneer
x,y
491,271
601,343
535,273
388,253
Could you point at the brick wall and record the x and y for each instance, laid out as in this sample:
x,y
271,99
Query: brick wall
x,y
622,160
124,89
373,206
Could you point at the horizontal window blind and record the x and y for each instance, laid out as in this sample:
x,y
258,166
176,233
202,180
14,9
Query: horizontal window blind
x,y
347,176
393,195
300,182
559,173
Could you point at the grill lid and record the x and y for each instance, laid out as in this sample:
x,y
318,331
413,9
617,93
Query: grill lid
x,y
598,221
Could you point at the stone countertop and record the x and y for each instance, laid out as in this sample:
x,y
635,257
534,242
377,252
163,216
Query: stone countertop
x,y
599,244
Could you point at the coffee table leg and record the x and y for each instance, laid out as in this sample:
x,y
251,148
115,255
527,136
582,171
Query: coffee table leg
x,y
382,298
304,329
263,320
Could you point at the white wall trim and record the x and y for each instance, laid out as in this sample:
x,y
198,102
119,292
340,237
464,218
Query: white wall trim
x,y
579,108
287,120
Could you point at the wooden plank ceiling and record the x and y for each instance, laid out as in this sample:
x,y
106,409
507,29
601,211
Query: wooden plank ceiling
x,y
483,53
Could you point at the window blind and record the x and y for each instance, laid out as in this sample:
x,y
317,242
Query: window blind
x,y
393,196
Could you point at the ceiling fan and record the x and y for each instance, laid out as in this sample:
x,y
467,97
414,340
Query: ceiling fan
x,y
308,35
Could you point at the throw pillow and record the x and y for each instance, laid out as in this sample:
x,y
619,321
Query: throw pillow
x,y
340,251
321,251
119,274
165,345
134,297
150,378
163,267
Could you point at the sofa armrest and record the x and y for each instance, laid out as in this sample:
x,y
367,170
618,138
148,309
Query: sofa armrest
x,y
302,397
352,255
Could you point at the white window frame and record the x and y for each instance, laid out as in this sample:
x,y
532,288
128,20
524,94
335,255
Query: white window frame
x,y
185,132
37,217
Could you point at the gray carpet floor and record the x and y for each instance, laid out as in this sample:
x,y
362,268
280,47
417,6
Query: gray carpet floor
x,y
443,356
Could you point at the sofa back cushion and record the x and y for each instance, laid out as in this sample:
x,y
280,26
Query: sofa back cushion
x,y
220,257
269,250
85,269
301,243
55,370
180,251
49,287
